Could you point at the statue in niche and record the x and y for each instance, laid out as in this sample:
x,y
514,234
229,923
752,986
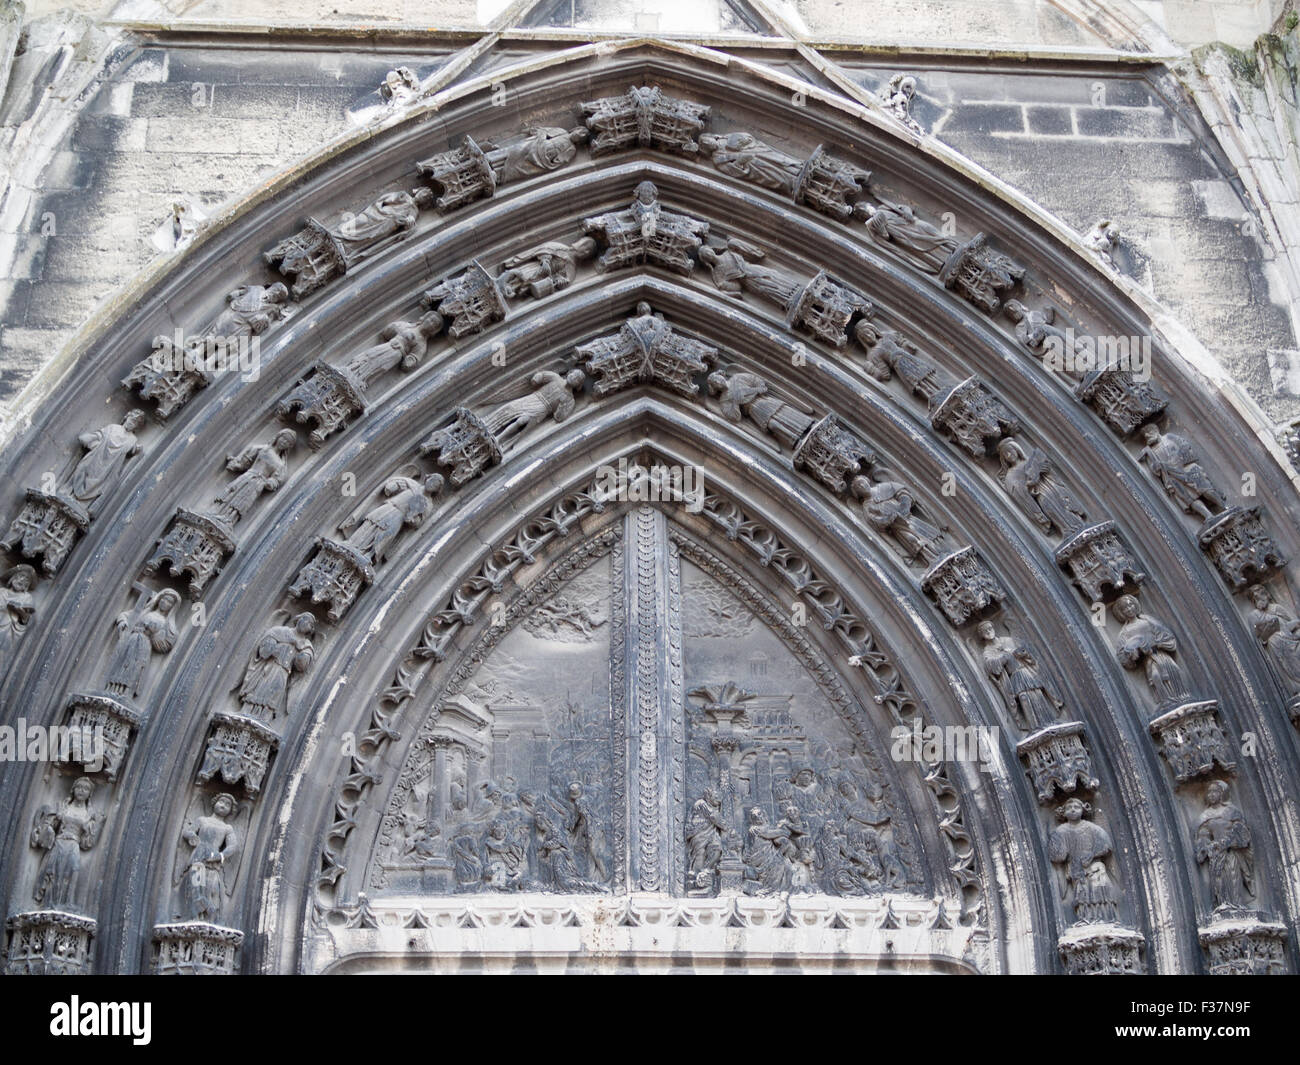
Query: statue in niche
x,y
1223,846
401,344
1175,464
549,267
1080,846
406,504
282,651
147,630
539,151
1011,665
107,451
897,224
1148,644
16,606
890,509
261,468
208,874
552,397
1279,632
741,394
742,155
734,270
704,831
1033,486
64,833
250,311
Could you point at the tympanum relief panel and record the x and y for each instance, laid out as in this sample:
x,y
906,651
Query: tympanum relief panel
x,y
648,727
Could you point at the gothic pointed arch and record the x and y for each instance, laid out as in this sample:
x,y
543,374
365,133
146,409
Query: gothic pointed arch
x,y
639,491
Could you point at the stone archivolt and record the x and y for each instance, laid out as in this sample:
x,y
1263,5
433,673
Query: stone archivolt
x,y
646,351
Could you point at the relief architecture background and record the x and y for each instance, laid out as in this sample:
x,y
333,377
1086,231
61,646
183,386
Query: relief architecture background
x,y
415,647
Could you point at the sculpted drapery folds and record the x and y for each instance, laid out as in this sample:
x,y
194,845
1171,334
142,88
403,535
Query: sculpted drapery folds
x,y
1175,464
1037,491
281,652
401,344
406,504
63,832
107,451
143,632
207,873
1080,847
16,607
261,468
1223,846
1014,670
1148,645
898,224
1279,632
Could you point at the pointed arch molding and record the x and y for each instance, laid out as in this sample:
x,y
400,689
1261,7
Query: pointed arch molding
x,y
827,361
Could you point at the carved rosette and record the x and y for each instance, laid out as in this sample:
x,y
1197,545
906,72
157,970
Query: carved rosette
x,y
1098,561
979,274
832,453
1244,946
239,750
1239,547
828,184
1192,740
1057,757
328,396
466,447
825,308
196,545
973,416
96,714
167,377
1123,403
47,528
335,575
463,174
470,301
962,586
195,948
1101,950
48,943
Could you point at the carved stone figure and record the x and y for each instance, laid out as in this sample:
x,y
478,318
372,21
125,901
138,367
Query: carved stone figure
x,y
1102,240
645,350
208,873
767,855
282,651
1175,464
647,232
586,832
897,98
48,525
1035,489
147,630
338,571
1011,665
547,268
704,831
331,395
470,301
400,86
261,468
1080,847
317,254
64,833
889,507
552,396
743,156
16,608
171,375
645,117
1223,847
107,451
897,224
1147,644
979,274
537,151
1279,632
